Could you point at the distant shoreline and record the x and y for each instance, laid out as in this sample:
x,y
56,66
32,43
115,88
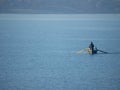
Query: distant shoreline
x,y
60,17
31,11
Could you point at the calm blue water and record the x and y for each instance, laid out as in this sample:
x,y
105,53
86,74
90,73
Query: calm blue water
x,y
38,52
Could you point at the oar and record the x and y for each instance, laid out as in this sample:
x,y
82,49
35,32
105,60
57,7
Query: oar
x,y
102,51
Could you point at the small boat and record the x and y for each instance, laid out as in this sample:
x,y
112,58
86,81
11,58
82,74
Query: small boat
x,y
91,52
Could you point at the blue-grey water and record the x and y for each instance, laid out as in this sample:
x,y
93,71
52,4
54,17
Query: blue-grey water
x,y
38,52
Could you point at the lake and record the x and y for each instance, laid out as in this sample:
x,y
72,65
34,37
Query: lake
x,y
38,52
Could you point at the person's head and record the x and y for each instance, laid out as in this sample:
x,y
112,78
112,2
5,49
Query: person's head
x,y
91,42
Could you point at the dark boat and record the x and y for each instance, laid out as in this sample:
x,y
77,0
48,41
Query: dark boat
x,y
91,52
94,51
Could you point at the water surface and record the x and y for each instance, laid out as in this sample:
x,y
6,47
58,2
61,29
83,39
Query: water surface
x,y
38,52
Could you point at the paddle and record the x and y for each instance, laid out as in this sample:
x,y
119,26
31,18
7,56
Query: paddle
x,y
102,51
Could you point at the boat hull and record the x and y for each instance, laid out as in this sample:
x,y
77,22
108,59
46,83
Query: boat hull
x,y
91,52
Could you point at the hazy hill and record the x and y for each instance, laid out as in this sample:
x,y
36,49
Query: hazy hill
x,y
59,6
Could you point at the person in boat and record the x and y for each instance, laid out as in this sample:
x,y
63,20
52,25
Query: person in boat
x,y
91,46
